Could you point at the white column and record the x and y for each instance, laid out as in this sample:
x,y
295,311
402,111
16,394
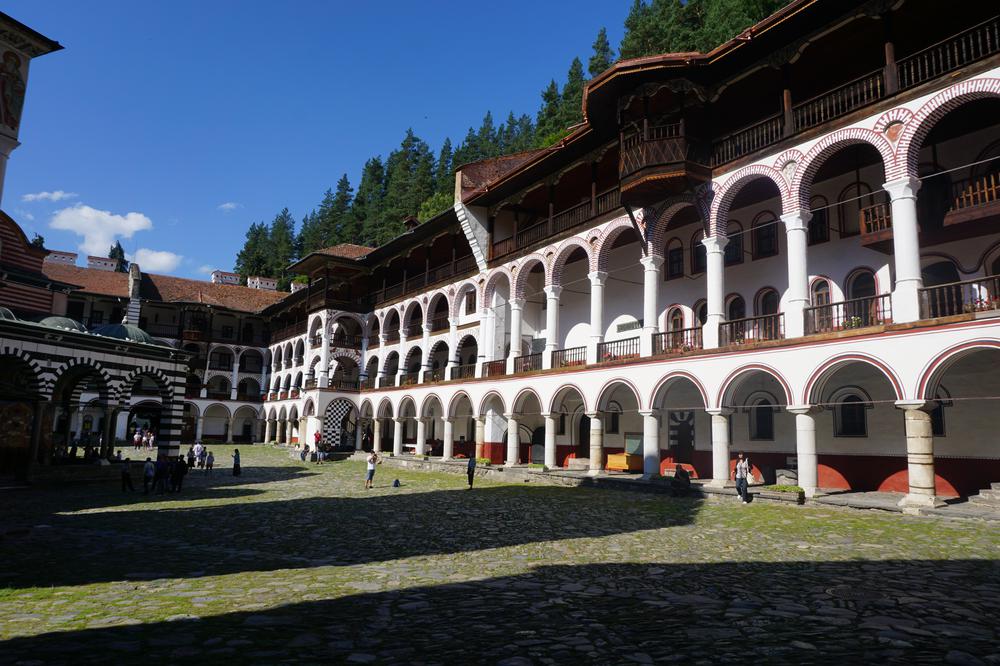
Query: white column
x,y
268,431
324,360
598,279
448,443
650,444
550,440
715,266
289,428
720,446
426,362
797,239
358,430
264,387
919,456
487,324
513,440
377,435
905,248
363,365
421,447
551,323
480,435
596,444
452,347
232,427
397,436
652,278
233,379
199,428
516,310
805,447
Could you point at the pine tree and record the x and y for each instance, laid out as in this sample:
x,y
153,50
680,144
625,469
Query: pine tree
x,y
444,171
603,56
117,252
254,258
548,116
38,240
346,229
409,182
281,239
571,104
369,200
310,237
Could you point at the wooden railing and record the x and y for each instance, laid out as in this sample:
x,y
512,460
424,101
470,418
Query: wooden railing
x,y
435,375
368,383
571,217
316,341
310,384
532,234
528,363
607,201
979,295
503,247
752,329
463,371
849,314
496,368
949,54
409,378
975,192
413,331
388,380
875,219
439,323
345,384
839,101
290,331
618,350
676,342
662,144
747,140
565,358
348,341
392,335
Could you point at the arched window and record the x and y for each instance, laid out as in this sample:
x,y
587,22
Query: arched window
x,y
820,293
737,309
768,302
675,260
852,200
941,272
614,413
699,255
861,285
701,312
734,247
762,419
675,319
819,223
765,235
851,419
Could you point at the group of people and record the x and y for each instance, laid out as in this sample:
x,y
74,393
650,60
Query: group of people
x,y
165,475
199,456
143,439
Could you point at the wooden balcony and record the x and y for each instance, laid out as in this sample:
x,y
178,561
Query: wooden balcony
x,y
659,161
409,378
752,329
463,371
677,342
979,295
618,350
849,314
566,358
876,227
975,200
367,383
496,368
289,331
528,363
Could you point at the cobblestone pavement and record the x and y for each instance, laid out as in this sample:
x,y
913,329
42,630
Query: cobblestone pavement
x,y
296,563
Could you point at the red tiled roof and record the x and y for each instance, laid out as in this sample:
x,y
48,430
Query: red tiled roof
x,y
165,288
478,176
346,251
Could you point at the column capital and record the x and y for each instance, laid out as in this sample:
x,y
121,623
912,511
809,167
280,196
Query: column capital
x,y
594,414
720,411
597,277
548,415
651,262
916,405
516,303
552,290
649,412
510,416
902,188
803,409
448,419
399,419
715,244
797,220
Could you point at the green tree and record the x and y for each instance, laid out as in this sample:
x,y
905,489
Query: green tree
x,y
369,200
38,240
255,257
571,104
435,204
444,171
547,122
117,252
281,240
410,181
603,56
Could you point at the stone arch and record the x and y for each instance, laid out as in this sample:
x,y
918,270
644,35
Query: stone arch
x,y
366,409
727,192
408,312
928,115
931,374
336,429
525,268
613,385
517,404
456,400
427,401
486,398
608,237
732,383
561,393
566,248
87,366
155,373
657,235
385,410
824,149
672,378
491,285
458,297
816,384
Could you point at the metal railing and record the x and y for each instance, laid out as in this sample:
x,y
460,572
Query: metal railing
x,y
409,378
388,380
839,101
752,329
849,314
949,54
565,358
345,384
618,350
435,375
463,371
978,295
749,139
438,323
528,363
368,383
496,368
676,342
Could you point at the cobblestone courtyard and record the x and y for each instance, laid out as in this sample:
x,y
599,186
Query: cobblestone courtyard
x,y
296,563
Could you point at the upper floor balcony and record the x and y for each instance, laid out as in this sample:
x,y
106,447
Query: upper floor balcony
x,y
658,161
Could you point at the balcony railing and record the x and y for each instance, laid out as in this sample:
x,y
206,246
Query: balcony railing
x,y
316,341
528,363
496,368
368,383
752,329
947,55
439,323
463,371
388,380
979,295
748,140
310,384
677,342
662,144
392,336
850,314
876,221
290,331
618,350
839,101
348,341
975,192
413,330
565,358
409,378
435,375
345,384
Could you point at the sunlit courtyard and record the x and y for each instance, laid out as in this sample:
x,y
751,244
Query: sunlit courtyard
x,y
297,562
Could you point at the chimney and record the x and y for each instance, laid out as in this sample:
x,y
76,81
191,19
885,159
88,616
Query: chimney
x,y
61,257
410,223
102,263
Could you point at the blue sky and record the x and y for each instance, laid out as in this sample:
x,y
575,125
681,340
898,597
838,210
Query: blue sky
x,y
170,110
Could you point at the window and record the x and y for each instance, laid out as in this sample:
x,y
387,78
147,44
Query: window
x,y
74,310
852,200
762,420
701,311
675,320
765,239
819,224
821,292
737,309
470,302
675,262
851,417
768,302
862,285
699,255
734,247
614,419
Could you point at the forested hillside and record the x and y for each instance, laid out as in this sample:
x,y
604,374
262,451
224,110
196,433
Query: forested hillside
x,y
416,180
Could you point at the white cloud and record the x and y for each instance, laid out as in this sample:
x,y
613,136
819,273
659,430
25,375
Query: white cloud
x,y
99,228
229,206
20,212
156,261
57,195
207,269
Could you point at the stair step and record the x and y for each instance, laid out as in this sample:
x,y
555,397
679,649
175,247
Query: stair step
x,y
990,495
984,501
995,485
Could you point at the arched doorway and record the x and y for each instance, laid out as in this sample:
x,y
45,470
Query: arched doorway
x,y
339,423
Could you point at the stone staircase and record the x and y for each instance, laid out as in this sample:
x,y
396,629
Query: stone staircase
x,y
988,497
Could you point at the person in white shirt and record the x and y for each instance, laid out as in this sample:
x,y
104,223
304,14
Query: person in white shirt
x,y
373,460
742,475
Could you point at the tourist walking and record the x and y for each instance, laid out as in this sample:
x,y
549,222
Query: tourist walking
x,y
136,440
742,472
373,460
190,460
202,454
127,476
471,470
180,470
152,441
148,472
209,461
236,462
